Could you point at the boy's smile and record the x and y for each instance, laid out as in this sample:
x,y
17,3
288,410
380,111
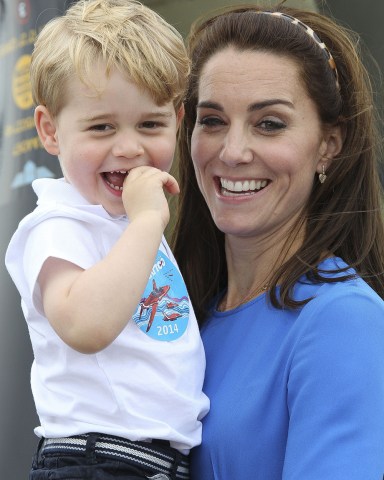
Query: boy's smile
x,y
99,136
115,179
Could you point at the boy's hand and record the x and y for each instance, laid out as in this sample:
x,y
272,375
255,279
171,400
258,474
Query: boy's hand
x,y
143,193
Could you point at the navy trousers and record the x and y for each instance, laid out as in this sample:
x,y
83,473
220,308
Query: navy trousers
x,y
85,467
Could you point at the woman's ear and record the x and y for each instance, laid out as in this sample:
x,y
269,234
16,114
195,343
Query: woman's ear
x,y
331,146
180,115
46,129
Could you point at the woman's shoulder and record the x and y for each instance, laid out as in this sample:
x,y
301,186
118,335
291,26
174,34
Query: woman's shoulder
x,y
340,308
342,284
345,312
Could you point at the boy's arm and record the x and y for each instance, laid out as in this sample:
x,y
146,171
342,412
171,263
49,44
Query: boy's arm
x,y
89,308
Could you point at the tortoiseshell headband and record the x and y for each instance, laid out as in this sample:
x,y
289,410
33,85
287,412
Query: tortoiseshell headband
x,y
315,37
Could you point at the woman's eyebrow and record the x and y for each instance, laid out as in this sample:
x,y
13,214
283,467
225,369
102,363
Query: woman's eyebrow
x,y
268,103
253,107
209,104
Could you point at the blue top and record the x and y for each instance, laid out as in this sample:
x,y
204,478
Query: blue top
x,y
296,395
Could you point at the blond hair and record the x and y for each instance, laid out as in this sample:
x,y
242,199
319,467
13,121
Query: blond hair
x,y
123,35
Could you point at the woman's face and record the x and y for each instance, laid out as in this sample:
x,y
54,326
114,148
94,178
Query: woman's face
x,y
257,143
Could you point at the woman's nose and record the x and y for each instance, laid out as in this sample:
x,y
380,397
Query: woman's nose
x,y
235,149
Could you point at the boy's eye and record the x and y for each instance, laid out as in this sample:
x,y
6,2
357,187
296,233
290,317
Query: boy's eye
x,y
102,127
150,124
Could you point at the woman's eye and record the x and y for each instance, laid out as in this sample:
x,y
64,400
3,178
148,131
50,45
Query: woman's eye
x,y
207,122
271,125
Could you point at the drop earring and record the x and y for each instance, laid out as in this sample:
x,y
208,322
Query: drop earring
x,y
322,175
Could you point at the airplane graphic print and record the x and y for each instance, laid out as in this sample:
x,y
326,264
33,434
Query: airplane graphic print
x,y
152,301
163,311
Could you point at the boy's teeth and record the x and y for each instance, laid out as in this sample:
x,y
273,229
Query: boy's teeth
x,y
115,187
115,179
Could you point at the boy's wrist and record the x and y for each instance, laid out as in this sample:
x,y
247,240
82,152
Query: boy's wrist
x,y
151,220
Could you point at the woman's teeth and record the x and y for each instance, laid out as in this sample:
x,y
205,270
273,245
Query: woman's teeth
x,y
245,186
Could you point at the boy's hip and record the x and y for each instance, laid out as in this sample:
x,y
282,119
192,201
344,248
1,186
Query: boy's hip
x,y
117,456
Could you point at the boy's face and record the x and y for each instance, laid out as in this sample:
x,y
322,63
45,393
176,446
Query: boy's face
x,y
98,136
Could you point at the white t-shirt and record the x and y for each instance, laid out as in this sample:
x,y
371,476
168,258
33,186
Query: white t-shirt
x,y
146,384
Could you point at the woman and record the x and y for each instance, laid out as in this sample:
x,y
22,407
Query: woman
x,y
280,239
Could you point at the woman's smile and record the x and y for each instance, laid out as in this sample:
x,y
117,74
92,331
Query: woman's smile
x,y
256,153
241,187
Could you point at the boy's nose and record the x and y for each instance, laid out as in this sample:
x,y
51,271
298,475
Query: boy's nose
x,y
127,146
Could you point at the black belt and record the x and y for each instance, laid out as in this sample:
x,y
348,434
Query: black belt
x,y
154,457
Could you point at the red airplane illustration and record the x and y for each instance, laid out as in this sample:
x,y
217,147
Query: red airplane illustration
x,y
171,316
153,300
171,304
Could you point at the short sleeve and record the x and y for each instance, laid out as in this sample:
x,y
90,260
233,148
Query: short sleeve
x,y
68,239
336,391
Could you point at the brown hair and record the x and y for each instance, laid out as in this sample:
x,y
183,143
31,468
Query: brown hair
x,y
343,215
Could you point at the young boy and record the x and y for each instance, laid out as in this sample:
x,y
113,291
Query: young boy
x,y
119,363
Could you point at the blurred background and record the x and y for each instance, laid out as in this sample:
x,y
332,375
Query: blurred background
x,y
22,160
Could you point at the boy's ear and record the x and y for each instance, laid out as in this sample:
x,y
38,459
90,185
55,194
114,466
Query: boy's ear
x,y
46,129
180,115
